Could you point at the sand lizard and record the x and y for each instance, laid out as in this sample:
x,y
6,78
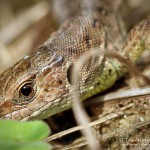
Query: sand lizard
x,y
39,85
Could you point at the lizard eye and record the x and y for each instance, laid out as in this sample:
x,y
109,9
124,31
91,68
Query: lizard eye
x,y
26,92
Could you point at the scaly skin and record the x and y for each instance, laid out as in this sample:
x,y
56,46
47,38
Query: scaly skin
x,y
46,73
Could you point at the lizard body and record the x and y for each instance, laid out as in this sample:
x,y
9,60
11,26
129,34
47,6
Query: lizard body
x,y
39,85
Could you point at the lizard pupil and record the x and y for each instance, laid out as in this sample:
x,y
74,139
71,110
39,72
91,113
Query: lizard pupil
x,y
26,90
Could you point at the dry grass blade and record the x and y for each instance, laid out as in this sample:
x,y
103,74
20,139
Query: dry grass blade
x,y
74,129
109,117
121,94
80,114
103,119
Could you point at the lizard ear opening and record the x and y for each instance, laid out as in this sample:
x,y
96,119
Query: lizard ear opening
x,y
69,73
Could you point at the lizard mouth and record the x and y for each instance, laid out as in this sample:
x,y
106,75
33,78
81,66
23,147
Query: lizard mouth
x,y
44,111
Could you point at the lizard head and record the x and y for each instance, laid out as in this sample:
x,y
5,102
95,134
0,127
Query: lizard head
x,y
34,86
